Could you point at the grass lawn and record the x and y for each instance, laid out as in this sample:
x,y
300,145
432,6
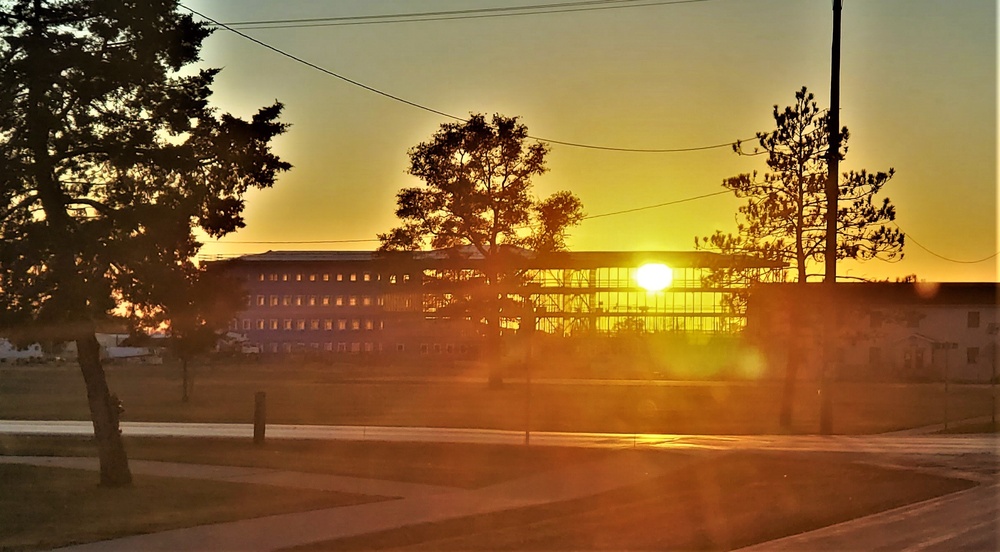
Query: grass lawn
x,y
326,395
725,502
721,500
43,508
447,464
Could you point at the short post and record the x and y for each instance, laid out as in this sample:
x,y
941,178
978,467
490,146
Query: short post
x,y
259,417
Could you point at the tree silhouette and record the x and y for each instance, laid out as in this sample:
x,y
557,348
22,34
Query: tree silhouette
x,y
784,217
477,194
785,211
110,156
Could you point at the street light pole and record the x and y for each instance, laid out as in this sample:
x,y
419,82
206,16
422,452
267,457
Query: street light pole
x,y
832,192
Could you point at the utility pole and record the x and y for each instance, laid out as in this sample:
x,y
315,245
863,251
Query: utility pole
x,y
830,258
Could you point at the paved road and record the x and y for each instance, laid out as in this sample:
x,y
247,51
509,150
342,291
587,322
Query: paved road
x,y
886,443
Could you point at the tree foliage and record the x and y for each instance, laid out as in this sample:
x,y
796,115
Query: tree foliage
x,y
477,197
784,216
477,191
110,156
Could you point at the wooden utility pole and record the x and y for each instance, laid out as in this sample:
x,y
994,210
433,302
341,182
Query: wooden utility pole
x,y
830,258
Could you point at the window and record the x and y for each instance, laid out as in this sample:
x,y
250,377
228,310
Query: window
x,y
326,300
298,300
341,347
326,278
366,301
273,347
369,325
369,347
300,324
972,355
234,324
274,300
286,347
273,324
260,323
272,277
340,277
284,278
354,276
328,346
312,277
261,301
406,278
328,324
341,324
261,277
314,324
246,323
392,279
355,324
312,300
400,347
423,348
450,348
298,277
973,321
340,300
437,348
367,277
352,301
355,347
287,324
286,300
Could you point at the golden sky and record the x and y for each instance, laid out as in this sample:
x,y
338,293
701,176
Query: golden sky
x,y
919,94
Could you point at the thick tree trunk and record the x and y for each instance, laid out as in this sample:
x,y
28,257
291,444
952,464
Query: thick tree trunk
x,y
104,412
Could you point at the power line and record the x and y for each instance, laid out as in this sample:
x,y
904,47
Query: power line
x,y
451,15
938,255
675,202
442,113
613,213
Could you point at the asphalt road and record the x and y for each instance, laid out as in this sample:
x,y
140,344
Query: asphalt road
x,y
885,443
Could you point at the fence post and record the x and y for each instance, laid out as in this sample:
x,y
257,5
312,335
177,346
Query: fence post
x,y
259,417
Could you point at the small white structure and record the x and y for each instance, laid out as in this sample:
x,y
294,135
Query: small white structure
x,y
10,353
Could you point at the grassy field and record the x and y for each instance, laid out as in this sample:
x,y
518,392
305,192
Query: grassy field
x,y
43,508
725,502
719,501
335,395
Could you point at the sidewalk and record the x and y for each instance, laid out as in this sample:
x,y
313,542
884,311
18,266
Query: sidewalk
x,y
967,520
419,503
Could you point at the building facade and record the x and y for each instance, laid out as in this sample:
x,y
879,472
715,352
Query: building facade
x,y
881,331
389,303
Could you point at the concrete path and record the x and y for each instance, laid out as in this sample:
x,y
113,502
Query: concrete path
x,y
967,520
885,443
421,503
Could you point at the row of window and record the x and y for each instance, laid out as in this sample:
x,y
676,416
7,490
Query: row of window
x,y
316,300
876,319
358,347
331,277
327,324
875,356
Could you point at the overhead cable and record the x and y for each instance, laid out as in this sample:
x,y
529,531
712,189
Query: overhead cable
x,y
442,113
450,15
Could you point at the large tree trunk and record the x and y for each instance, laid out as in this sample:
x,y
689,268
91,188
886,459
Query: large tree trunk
x,y
104,412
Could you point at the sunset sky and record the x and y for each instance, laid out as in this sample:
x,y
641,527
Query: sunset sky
x,y
919,94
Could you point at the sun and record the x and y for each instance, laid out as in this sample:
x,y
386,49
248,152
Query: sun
x,y
654,276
